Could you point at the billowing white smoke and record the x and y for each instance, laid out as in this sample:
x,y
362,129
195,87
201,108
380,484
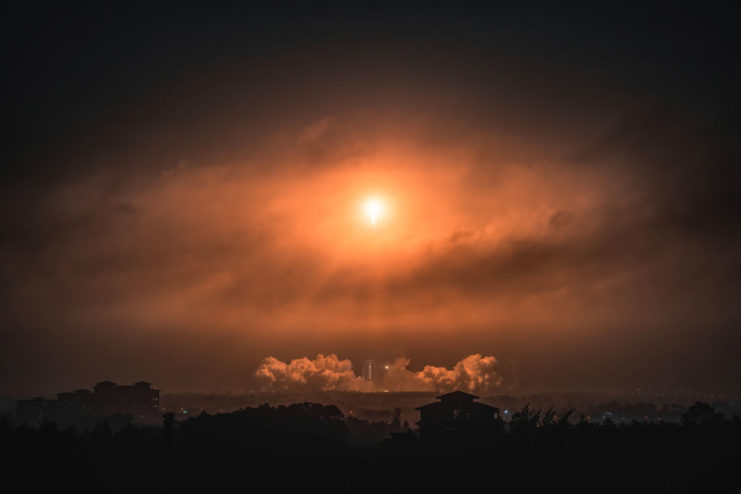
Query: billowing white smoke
x,y
322,373
474,373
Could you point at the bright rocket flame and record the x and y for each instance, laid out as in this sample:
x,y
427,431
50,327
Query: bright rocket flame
x,y
373,208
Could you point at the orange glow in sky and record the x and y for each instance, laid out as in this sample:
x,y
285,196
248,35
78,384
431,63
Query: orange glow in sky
x,y
374,209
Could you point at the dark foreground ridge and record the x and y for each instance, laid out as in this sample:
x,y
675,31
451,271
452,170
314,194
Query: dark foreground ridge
x,y
459,445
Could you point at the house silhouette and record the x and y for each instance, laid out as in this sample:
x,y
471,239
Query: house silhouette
x,y
456,412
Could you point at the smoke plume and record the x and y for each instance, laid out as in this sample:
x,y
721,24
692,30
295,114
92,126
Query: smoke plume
x,y
474,373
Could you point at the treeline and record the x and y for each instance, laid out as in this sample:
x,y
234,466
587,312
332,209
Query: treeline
x,y
313,447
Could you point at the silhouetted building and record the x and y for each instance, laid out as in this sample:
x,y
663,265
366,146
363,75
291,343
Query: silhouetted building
x,y
456,412
82,407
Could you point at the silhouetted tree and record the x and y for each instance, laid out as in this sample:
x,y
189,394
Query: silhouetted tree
x,y
701,413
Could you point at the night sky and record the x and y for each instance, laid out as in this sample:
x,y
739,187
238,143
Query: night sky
x,y
183,191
